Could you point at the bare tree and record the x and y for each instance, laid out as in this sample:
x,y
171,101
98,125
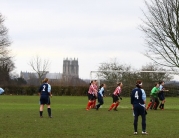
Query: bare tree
x,y
6,61
110,72
161,29
40,66
151,77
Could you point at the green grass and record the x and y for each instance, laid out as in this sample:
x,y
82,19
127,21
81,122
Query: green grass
x,y
19,117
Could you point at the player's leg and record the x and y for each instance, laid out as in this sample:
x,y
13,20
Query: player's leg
x,y
41,107
113,104
157,103
49,108
117,103
136,114
100,100
90,102
94,102
163,102
41,110
153,101
143,115
149,104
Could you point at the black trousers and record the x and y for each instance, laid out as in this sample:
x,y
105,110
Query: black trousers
x,y
139,110
100,102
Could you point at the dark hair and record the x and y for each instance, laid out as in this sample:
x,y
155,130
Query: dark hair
x,y
156,84
101,85
138,84
91,82
160,82
118,84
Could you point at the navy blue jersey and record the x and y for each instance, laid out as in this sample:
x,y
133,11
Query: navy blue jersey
x,y
136,96
43,90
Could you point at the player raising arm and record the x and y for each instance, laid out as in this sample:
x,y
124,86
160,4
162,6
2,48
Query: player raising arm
x,y
138,101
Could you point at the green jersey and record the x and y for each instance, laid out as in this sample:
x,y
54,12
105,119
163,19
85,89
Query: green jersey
x,y
154,92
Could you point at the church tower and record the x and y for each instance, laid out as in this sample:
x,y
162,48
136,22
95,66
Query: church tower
x,y
70,68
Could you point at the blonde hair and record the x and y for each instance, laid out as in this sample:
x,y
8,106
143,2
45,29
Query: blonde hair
x,y
45,80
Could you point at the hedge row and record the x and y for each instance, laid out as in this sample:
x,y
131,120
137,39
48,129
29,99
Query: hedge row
x,y
56,90
79,90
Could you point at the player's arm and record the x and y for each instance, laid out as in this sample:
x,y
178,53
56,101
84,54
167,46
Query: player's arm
x,y
49,90
143,96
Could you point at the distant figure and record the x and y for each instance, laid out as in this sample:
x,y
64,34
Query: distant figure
x,y
45,93
91,92
161,94
1,90
154,102
100,96
116,96
95,95
138,101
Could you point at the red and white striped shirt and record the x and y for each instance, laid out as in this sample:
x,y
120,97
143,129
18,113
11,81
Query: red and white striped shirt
x,y
117,91
92,89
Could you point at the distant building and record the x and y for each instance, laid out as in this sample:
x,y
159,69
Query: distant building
x,y
32,78
70,75
70,68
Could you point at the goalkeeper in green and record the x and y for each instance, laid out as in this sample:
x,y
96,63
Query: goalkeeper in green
x,y
154,102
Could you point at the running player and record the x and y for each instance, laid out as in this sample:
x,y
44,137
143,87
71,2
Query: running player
x,y
100,96
138,100
91,93
154,97
44,93
161,94
116,96
95,94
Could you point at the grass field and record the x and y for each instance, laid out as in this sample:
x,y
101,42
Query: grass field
x,y
19,118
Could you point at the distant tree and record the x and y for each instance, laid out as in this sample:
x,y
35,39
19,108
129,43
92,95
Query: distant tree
x,y
6,61
40,66
113,72
155,76
161,29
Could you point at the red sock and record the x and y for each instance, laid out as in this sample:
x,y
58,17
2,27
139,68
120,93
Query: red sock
x,y
112,105
116,105
94,103
154,105
88,105
149,105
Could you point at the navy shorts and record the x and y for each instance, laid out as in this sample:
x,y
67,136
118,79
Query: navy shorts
x,y
115,98
139,110
161,97
45,100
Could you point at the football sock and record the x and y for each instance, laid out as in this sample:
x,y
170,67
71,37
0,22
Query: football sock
x,y
154,105
94,104
149,105
89,104
41,112
112,106
116,105
49,111
162,106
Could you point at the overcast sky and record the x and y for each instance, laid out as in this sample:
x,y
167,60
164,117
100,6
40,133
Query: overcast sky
x,y
94,31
